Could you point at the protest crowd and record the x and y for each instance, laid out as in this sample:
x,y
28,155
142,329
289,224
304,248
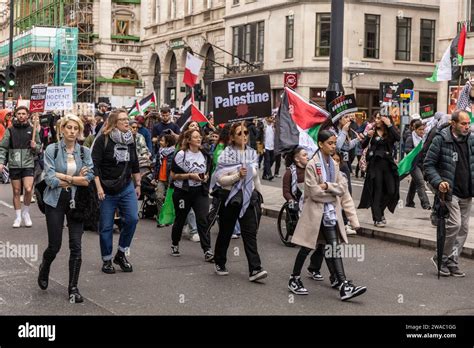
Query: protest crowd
x,y
106,171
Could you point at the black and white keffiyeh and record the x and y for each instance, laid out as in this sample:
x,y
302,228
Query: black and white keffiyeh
x,y
121,140
231,160
464,100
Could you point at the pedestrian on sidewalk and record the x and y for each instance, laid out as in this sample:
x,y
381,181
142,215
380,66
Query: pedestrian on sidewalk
x,y
382,183
449,168
190,174
326,194
115,163
269,141
18,150
67,166
293,189
417,183
239,190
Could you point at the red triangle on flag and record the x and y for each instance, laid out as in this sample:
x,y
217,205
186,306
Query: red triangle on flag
x,y
304,114
197,115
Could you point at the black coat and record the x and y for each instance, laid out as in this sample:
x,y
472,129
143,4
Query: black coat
x,y
383,150
439,163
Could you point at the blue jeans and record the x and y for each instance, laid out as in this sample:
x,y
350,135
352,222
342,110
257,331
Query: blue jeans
x,y
127,204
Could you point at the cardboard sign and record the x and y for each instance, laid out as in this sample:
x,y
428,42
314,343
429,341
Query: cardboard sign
x,y
84,109
427,111
241,98
345,104
58,98
38,97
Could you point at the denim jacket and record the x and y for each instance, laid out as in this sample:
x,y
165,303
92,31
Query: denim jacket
x,y
51,167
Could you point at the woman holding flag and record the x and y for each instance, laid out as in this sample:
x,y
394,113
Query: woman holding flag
x,y
238,188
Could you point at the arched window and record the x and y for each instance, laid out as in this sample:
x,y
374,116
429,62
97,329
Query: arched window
x,y
126,73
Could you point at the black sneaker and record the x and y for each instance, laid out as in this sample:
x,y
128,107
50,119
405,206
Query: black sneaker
x,y
410,205
444,271
295,285
347,290
122,261
221,270
108,268
209,256
315,275
257,274
175,251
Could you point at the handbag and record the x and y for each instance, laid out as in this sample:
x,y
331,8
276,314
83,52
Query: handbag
x,y
114,186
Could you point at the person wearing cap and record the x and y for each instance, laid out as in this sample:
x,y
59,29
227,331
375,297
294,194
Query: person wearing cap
x,y
144,132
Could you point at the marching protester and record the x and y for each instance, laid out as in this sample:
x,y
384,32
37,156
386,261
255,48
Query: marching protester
x,y
165,126
190,173
18,149
269,155
152,118
143,153
449,168
381,185
68,166
417,183
326,194
102,112
237,179
115,163
163,168
5,122
293,188
143,131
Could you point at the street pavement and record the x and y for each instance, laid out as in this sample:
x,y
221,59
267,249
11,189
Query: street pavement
x,y
401,279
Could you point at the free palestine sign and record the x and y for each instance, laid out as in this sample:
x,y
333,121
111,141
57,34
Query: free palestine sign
x,y
241,98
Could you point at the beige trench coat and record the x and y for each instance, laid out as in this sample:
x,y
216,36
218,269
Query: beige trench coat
x,y
307,230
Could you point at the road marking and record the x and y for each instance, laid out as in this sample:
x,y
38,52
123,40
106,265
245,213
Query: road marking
x,y
6,204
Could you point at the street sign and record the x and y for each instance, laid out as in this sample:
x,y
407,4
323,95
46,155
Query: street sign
x,y
405,96
411,93
177,44
291,79
241,98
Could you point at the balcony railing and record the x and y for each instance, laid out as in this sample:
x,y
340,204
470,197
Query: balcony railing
x,y
469,26
115,47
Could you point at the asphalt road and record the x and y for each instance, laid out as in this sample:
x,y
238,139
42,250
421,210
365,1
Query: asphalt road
x,y
400,279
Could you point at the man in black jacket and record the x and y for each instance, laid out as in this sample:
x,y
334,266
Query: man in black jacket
x,y
449,168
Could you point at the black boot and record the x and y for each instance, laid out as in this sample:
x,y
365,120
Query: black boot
x,y
44,268
122,261
74,270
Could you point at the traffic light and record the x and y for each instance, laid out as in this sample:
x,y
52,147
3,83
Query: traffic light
x,y
3,82
199,93
11,75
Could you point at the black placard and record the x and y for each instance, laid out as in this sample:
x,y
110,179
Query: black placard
x,y
241,98
342,105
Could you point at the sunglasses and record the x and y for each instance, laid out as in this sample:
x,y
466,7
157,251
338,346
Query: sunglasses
x,y
245,132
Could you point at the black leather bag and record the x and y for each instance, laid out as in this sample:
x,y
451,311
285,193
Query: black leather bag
x,y
114,186
237,200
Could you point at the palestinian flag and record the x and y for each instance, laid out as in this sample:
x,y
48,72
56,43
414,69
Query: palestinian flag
x,y
148,102
135,110
449,67
298,123
409,162
191,113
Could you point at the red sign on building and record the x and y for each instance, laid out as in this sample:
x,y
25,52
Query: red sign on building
x,y
291,80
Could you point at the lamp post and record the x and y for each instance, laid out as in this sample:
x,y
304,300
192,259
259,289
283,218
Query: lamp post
x,y
335,88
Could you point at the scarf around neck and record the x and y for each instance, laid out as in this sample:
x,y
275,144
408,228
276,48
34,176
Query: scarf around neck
x,y
165,152
230,160
329,175
416,138
122,138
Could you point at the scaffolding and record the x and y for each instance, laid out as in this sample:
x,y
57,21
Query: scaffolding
x,y
65,58
62,14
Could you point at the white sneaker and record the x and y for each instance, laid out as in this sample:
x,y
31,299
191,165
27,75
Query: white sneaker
x,y
17,223
350,231
27,219
186,231
195,238
33,200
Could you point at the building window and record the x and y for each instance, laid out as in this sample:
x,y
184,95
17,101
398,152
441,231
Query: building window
x,y
368,101
172,9
427,40
290,30
403,39
372,36
235,2
323,34
189,7
248,42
